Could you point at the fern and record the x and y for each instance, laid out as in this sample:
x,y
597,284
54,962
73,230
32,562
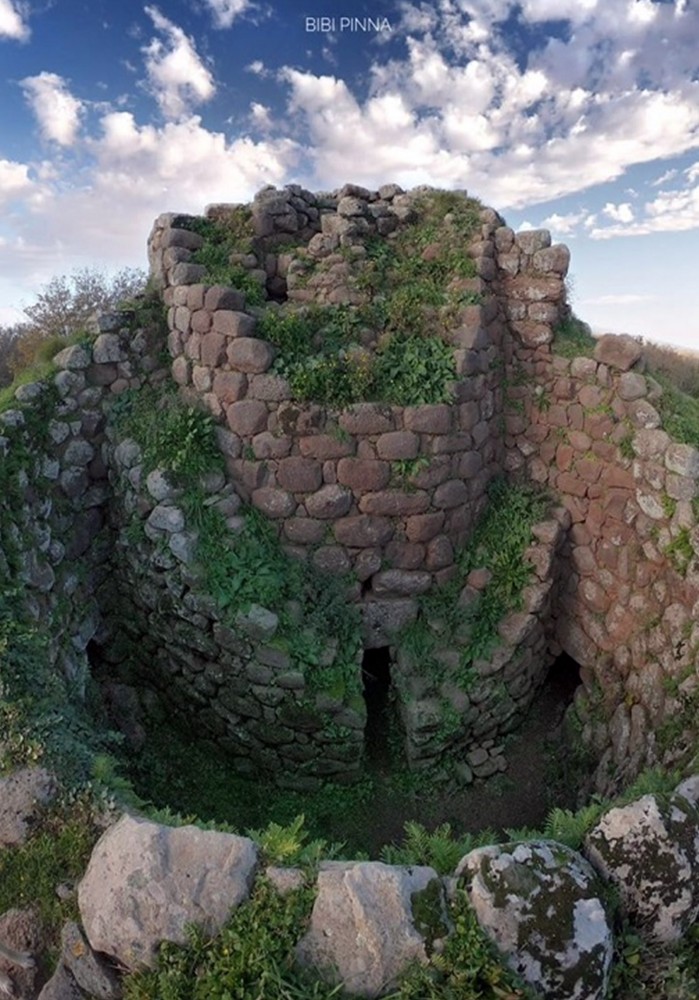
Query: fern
x,y
439,849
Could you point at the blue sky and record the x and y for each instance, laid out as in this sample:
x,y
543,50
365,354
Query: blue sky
x,y
578,115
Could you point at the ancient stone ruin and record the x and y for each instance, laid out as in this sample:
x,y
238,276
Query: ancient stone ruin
x,y
385,494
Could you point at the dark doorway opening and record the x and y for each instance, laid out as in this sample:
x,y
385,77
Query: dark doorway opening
x,y
376,679
562,680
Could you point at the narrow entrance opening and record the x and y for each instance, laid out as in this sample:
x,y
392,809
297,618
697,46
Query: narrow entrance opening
x,y
376,679
562,680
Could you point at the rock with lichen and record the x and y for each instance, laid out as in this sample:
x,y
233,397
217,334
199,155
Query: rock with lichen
x,y
540,904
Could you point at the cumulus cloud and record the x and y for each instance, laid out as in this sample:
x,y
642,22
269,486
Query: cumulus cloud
x,y
675,210
12,21
56,110
14,181
177,76
226,11
619,213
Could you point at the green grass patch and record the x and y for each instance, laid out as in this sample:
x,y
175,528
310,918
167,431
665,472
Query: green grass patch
x,y
573,339
58,851
497,544
679,412
222,240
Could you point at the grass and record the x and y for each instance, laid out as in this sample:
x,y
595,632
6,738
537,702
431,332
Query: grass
x,y
573,338
497,543
222,240
56,852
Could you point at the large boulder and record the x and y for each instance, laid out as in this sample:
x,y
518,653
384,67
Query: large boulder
x,y
145,882
540,904
618,351
362,930
649,849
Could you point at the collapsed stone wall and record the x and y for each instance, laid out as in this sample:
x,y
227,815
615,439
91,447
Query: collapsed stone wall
x,y
616,588
590,429
55,548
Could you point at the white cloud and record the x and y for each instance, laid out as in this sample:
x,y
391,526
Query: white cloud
x,y
12,23
226,11
668,175
178,77
671,211
565,225
56,110
619,213
260,116
14,181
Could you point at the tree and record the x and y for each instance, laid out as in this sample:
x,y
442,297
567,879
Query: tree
x,y
66,304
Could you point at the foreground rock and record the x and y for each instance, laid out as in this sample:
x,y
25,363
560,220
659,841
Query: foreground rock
x,y
539,903
146,882
362,930
22,796
650,851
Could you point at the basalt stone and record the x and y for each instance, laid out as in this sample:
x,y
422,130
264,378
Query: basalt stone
x,y
621,352
329,502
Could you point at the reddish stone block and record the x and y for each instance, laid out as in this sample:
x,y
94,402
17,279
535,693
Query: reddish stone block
x,y
367,563
233,324
367,418
272,388
439,470
576,416
248,354
588,469
329,502
246,417
440,553
273,503
305,530
448,443
402,582
181,371
469,414
428,419
201,321
450,494
229,387
405,555
266,445
363,475
598,425
212,349
558,416
564,457
192,346
579,440
300,475
594,596
360,531
583,560
396,445
195,297
331,559
394,503
423,527
324,446
220,297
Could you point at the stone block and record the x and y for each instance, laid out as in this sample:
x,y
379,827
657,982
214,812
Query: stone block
x,y
682,459
219,297
428,419
212,349
248,354
273,503
618,351
531,241
247,416
404,555
397,445
305,530
423,527
300,475
331,559
363,475
201,321
268,445
232,323
361,531
230,387
329,502
394,503
367,418
325,446
450,494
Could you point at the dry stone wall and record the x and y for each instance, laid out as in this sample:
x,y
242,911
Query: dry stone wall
x,y
616,578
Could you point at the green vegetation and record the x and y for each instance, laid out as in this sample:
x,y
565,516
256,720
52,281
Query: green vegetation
x,y
680,551
679,412
572,339
497,544
251,959
249,567
439,849
223,240
56,852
